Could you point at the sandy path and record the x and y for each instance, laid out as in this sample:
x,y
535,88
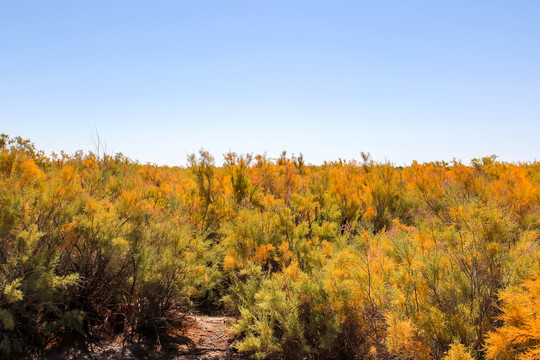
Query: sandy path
x,y
199,337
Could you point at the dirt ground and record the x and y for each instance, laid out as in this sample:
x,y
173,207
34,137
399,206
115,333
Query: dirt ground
x,y
199,337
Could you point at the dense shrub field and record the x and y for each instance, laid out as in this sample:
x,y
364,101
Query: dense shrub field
x,y
346,260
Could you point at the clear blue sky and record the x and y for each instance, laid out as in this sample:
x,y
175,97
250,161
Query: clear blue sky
x,y
403,80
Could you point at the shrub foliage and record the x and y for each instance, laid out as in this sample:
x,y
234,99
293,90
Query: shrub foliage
x,y
356,260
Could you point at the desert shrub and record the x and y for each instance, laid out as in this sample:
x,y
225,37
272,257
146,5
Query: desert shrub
x,y
458,352
344,260
519,336
89,250
283,313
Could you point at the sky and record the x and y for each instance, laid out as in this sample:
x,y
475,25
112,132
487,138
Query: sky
x,y
403,80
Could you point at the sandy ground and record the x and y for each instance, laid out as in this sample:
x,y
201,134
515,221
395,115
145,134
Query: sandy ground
x,y
199,337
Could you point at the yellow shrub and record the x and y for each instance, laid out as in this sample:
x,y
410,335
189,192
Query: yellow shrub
x,y
519,337
458,352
